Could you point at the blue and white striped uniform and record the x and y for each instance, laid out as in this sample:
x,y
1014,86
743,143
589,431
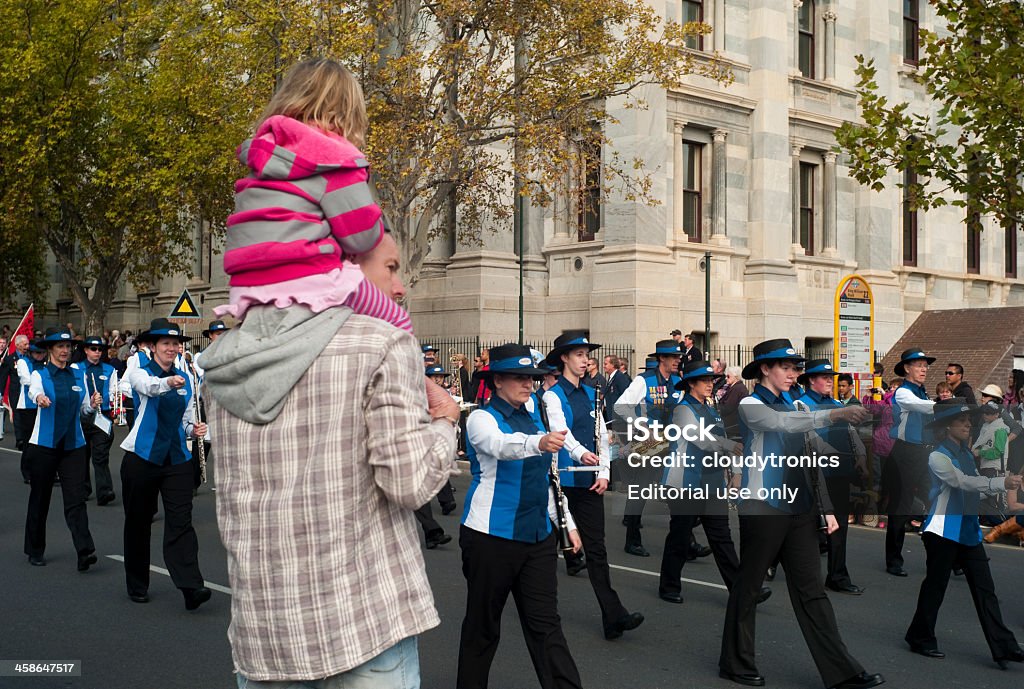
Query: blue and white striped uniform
x,y
69,399
101,378
25,365
835,439
771,425
163,416
956,492
571,408
509,496
911,410
137,360
690,471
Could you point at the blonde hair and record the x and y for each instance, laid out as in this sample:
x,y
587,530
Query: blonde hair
x,y
323,93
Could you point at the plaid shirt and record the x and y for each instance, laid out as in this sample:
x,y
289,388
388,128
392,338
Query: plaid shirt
x,y
315,510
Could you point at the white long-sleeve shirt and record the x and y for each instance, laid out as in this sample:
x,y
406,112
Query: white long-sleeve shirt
x,y
576,449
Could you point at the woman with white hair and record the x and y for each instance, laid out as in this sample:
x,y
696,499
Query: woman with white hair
x,y
729,398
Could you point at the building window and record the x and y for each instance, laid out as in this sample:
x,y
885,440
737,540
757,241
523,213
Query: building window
x,y
588,202
693,212
693,11
911,22
974,242
909,219
805,17
1010,249
807,207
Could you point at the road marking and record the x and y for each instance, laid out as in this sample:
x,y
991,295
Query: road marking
x,y
656,574
13,452
161,570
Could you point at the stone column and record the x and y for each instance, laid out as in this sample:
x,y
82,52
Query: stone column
x,y
797,4
795,193
719,26
830,43
829,204
677,179
718,176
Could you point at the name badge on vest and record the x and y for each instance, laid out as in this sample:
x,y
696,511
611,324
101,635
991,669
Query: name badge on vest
x,y
182,392
103,377
75,388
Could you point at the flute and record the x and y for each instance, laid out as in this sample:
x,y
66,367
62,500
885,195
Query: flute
x,y
200,442
564,544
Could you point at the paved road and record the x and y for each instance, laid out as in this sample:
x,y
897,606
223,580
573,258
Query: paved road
x,y
56,613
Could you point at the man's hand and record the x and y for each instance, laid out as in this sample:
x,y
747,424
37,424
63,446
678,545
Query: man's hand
x,y
590,459
553,441
600,486
199,430
833,525
574,538
439,402
176,382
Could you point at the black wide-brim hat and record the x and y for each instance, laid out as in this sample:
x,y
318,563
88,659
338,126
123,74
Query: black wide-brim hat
x,y
568,341
435,371
513,359
694,370
215,327
945,411
815,367
666,348
94,341
908,356
768,351
161,327
54,336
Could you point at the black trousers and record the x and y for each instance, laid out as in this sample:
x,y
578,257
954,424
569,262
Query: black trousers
x,y
425,516
24,422
446,495
794,539
71,465
839,493
907,479
942,555
97,449
141,483
714,516
587,509
495,567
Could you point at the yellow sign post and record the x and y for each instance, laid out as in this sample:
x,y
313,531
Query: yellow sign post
x,y
854,340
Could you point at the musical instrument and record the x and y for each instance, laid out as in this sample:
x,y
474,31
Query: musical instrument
x,y
456,390
564,544
598,419
197,412
800,405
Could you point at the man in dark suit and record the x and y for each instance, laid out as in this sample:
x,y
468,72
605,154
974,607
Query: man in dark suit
x,y
690,351
7,372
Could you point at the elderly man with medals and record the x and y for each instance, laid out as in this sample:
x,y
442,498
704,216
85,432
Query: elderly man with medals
x,y
699,468
507,535
575,408
780,515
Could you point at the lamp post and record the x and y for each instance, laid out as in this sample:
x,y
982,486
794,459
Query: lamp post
x,y
707,301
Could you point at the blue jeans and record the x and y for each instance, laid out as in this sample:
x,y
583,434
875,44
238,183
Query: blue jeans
x,y
396,668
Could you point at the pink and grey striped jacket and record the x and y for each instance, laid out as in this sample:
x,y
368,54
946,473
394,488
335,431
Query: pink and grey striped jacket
x,y
304,202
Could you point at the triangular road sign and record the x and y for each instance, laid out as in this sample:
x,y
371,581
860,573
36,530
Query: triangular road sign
x,y
185,308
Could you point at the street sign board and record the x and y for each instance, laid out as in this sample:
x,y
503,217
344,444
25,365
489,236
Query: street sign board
x,y
854,342
185,308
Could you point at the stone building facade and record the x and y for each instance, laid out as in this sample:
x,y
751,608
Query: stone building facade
x,y
748,172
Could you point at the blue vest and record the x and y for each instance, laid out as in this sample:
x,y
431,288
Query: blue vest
x,y
159,434
775,476
837,435
661,395
510,495
62,419
692,474
26,401
909,426
953,513
98,379
578,408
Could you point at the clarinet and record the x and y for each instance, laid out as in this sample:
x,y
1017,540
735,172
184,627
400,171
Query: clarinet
x,y
200,442
598,420
815,484
564,544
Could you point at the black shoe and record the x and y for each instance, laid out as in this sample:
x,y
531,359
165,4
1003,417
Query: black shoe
x,y
1016,656
896,571
37,561
850,589
623,624
958,572
195,597
447,508
86,561
139,597
764,594
929,653
861,681
749,680
770,574
436,538
699,549
106,499
574,567
671,597
637,549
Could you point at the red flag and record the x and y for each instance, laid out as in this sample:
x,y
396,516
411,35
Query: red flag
x,y
26,328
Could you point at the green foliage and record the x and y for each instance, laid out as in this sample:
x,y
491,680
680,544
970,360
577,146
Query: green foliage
x,y
969,153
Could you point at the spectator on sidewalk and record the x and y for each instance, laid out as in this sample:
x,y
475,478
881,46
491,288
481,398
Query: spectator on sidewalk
x,y
960,387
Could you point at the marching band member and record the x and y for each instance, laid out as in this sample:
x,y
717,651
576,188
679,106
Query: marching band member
x,y
952,536
507,537
102,378
139,358
691,472
571,408
157,462
652,394
215,330
773,526
33,359
57,447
